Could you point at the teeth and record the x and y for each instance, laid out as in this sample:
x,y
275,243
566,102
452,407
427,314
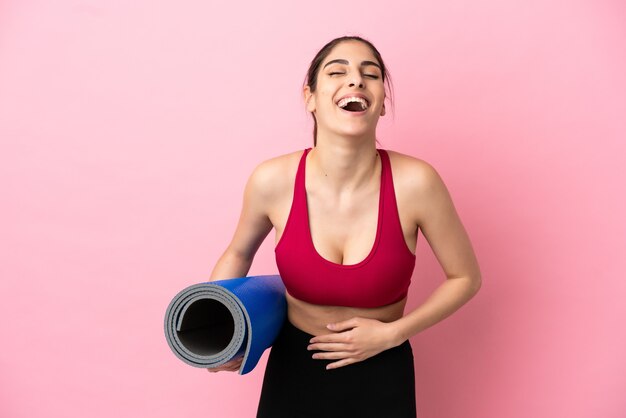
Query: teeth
x,y
344,102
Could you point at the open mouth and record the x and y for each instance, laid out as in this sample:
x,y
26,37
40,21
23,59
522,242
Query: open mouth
x,y
353,104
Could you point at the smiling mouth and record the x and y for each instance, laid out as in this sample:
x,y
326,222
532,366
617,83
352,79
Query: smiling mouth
x,y
353,104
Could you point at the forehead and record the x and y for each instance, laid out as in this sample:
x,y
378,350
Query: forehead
x,y
351,51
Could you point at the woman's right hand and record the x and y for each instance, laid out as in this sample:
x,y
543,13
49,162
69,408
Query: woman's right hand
x,y
231,366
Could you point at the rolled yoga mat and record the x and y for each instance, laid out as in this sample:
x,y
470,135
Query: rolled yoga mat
x,y
209,324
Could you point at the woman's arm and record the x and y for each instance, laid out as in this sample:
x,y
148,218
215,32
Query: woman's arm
x,y
254,225
438,220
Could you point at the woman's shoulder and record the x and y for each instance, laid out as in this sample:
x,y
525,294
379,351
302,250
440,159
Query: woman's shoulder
x,y
276,174
279,167
412,172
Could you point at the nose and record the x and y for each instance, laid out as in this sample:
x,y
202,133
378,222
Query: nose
x,y
356,80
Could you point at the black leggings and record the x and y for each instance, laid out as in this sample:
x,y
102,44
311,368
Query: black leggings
x,y
298,386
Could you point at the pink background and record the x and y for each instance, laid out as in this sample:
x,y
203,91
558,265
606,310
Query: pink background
x,y
128,130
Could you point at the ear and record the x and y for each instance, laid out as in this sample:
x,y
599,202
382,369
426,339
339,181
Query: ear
x,y
309,99
383,111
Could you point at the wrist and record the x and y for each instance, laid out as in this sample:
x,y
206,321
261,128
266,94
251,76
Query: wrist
x,y
396,333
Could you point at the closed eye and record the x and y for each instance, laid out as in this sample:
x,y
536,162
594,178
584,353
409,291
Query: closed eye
x,y
372,76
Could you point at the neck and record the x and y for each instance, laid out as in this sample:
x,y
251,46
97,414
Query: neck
x,y
344,166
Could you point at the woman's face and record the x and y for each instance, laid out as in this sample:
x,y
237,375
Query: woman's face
x,y
350,92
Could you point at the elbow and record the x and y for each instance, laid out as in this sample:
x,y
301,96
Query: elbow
x,y
475,284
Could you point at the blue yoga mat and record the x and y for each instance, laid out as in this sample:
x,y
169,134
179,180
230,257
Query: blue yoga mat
x,y
209,324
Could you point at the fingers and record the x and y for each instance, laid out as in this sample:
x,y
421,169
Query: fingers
x,y
334,355
338,364
330,347
344,359
340,337
224,369
355,340
231,366
345,325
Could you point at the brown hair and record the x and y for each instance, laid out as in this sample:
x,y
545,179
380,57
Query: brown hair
x,y
314,68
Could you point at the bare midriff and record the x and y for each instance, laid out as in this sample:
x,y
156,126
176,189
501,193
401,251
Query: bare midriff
x,y
313,319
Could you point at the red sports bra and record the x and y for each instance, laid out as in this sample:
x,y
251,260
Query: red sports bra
x,y
382,278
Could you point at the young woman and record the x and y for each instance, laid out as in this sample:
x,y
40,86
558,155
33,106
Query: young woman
x,y
347,216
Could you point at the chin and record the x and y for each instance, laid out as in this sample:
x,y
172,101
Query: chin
x,y
355,131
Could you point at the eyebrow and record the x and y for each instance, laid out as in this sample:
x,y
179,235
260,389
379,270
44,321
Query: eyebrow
x,y
342,61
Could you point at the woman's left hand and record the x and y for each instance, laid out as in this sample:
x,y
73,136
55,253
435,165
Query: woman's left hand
x,y
354,340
